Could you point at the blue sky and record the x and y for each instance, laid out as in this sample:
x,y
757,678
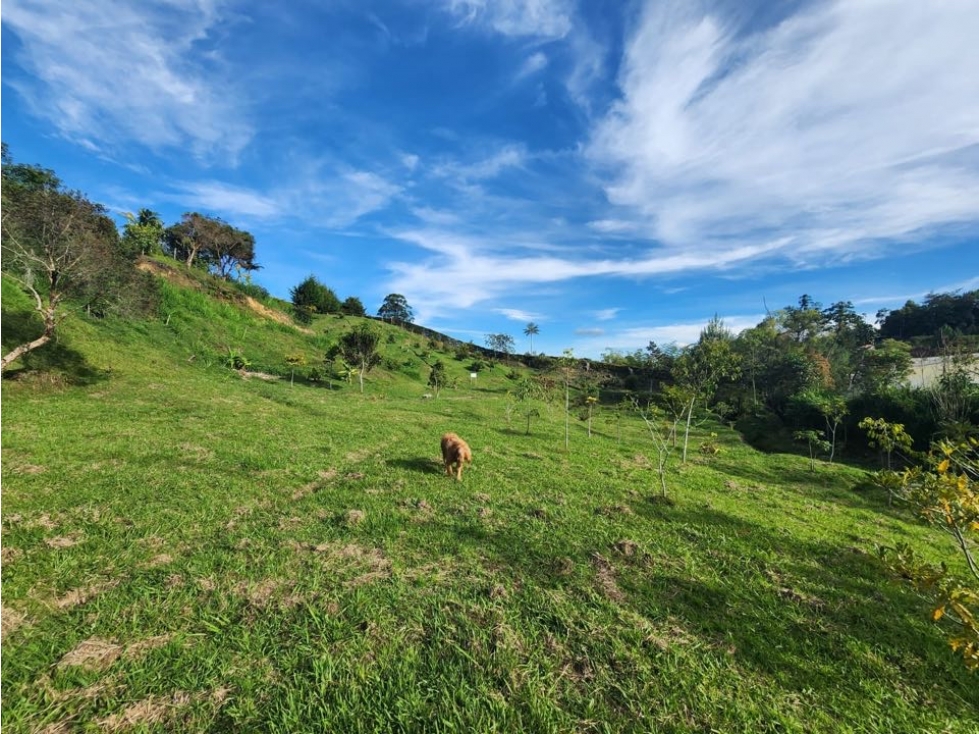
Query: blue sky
x,y
617,172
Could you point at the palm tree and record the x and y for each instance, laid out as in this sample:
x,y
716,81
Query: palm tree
x,y
530,330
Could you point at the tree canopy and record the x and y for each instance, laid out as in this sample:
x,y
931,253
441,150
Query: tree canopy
x,y
396,308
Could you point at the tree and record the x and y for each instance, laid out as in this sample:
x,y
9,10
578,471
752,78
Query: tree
x,y
396,308
501,344
804,322
311,296
944,492
352,306
832,408
659,432
210,242
531,330
701,368
232,250
297,359
359,347
143,234
816,443
888,437
58,245
437,378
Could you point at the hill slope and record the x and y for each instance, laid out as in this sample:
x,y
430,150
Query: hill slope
x,y
186,548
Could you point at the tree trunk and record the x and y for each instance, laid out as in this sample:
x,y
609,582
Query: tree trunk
x,y
686,433
17,352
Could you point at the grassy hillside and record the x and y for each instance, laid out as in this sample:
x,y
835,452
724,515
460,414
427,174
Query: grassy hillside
x,y
185,548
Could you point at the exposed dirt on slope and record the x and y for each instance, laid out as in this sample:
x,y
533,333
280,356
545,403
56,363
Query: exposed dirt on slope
x,y
175,274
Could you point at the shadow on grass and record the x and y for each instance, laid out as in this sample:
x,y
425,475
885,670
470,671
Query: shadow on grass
x,y
809,616
418,464
817,484
801,614
54,363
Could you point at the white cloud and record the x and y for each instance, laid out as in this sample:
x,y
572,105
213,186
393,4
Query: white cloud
x,y
534,63
606,314
846,124
410,161
463,270
215,196
516,314
334,199
612,226
109,70
680,334
511,155
540,18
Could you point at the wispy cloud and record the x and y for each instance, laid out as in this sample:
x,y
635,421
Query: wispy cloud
x,y
463,270
332,199
509,155
516,314
680,334
533,64
606,314
539,18
823,126
111,71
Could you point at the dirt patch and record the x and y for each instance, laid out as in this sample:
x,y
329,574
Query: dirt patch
x,y
610,510
627,547
605,576
247,375
305,491
92,654
260,594
355,517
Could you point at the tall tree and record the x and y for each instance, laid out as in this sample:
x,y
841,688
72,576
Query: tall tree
x,y
396,308
531,330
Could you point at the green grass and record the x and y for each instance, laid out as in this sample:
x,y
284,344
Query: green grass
x,y
244,555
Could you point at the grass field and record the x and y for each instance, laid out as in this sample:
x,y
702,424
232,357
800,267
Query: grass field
x,y
185,549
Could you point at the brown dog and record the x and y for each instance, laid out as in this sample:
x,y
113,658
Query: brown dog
x,y
455,453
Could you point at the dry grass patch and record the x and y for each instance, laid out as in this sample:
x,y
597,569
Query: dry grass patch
x,y
159,560
92,654
64,541
10,620
9,554
81,595
147,712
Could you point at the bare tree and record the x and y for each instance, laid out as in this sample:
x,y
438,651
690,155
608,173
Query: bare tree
x,y
54,243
